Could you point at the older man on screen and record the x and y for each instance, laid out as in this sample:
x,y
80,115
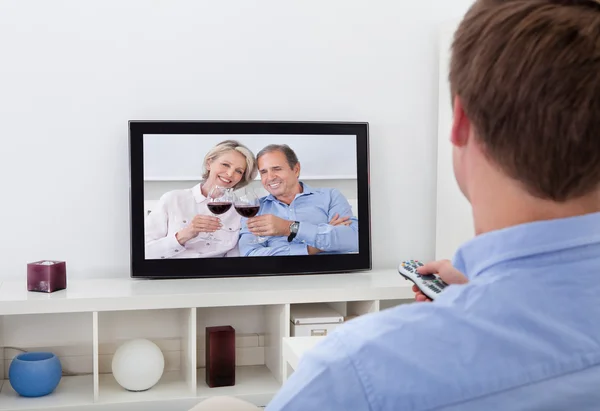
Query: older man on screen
x,y
297,219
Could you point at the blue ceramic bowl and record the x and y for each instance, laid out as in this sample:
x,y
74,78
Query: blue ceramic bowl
x,y
35,374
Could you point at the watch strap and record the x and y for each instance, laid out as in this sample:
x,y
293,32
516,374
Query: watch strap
x,y
293,230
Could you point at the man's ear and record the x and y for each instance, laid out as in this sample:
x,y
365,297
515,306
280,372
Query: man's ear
x,y
461,125
297,169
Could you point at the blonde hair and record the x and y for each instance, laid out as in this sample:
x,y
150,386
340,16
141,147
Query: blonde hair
x,y
232,145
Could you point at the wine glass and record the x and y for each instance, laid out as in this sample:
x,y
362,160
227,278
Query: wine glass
x,y
219,202
247,205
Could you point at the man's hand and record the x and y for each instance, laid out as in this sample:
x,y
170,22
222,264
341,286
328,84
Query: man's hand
x,y
313,250
337,220
444,269
269,225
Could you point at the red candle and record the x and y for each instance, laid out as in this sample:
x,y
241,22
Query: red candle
x,y
46,276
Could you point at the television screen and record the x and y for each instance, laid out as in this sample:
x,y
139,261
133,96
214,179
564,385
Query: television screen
x,y
213,199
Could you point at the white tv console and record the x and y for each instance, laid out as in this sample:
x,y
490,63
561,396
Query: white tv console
x,y
91,317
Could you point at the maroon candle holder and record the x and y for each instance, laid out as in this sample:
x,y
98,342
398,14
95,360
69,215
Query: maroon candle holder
x,y
46,276
220,356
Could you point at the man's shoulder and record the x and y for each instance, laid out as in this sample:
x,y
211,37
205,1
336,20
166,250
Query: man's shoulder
x,y
328,192
408,351
324,190
405,353
471,343
401,325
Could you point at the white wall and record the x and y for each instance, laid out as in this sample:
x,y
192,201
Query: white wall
x,y
73,73
453,212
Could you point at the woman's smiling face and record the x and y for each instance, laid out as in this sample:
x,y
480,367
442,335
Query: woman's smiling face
x,y
227,169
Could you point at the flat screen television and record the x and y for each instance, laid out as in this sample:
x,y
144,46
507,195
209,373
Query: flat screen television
x,y
236,198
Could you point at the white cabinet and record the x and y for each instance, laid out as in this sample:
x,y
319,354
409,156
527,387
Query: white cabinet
x,y
85,323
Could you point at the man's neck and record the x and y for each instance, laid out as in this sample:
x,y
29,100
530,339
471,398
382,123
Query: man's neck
x,y
289,197
498,206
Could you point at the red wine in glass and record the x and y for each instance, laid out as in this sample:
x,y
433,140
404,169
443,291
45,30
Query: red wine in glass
x,y
219,202
247,205
219,207
247,210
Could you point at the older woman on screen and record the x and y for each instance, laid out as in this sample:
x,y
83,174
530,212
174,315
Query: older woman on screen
x,y
181,225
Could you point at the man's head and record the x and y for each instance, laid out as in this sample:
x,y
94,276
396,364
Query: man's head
x,y
279,171
525,81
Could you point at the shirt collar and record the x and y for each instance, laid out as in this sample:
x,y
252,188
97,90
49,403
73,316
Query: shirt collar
x,y
306,190
197,192
477,255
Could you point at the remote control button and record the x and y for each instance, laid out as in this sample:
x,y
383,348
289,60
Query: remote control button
x,y
428,277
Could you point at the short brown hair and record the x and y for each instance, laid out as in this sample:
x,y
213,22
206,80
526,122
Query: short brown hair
x,y
527,73
290,155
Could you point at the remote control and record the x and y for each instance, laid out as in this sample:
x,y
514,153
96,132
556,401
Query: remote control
x,y
429,284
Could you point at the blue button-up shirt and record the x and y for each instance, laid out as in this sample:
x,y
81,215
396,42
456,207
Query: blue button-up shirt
x,y
523,334
313,208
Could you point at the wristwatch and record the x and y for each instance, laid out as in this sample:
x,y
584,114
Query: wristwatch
x,y
293,230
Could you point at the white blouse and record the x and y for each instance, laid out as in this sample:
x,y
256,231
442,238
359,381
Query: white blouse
x,y
175,210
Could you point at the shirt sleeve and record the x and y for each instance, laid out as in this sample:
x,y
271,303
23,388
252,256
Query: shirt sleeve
x,y
263,249
325,379
158,243
325,237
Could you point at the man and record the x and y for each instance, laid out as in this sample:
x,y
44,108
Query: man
x,y
522,333
295,218
519,330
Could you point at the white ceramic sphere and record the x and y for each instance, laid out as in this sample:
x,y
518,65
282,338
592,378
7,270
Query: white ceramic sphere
x,y
138,365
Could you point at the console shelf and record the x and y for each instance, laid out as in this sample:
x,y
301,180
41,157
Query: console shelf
x,y
254,383
72,392
85,323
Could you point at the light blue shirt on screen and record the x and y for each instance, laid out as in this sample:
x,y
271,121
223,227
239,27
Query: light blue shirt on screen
x,y
523,334
313,208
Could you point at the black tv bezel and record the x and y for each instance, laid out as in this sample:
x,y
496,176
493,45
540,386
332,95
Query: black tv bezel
x,y
245,266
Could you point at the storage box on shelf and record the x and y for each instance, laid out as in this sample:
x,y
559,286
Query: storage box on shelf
x,y
313,319
86,323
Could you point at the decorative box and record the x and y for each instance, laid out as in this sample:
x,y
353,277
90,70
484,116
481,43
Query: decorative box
x,y
313,319
46,276
220,356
